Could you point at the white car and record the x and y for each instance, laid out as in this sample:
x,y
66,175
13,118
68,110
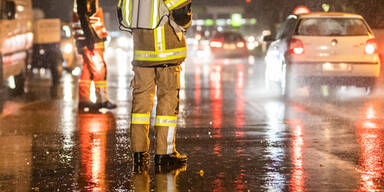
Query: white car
x,y
322,49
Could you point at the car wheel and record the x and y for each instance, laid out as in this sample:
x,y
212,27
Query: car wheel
x,y
19,82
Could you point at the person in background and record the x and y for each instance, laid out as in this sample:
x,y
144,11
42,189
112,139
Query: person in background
x,y
90,34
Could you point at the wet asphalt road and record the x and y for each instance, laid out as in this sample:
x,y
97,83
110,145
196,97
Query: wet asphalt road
x,y
238,137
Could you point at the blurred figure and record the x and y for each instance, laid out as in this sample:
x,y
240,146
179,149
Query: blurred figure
x,y
90,35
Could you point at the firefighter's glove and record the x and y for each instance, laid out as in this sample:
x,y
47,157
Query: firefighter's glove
x,y
183,16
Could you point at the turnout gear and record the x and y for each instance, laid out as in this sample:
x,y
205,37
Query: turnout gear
x,y
162,45
158,54
134,14
90,34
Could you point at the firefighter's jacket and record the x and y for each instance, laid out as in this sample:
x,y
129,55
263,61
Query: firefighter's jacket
x,y
164,45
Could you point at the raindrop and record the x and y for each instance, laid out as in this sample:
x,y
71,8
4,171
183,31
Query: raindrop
x,y
35,136
47,152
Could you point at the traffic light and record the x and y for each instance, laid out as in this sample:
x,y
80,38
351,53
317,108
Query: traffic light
x,y
248,1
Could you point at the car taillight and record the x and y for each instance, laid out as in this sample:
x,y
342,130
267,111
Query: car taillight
x,y
240,44
296,47
198,37
216,44
371,47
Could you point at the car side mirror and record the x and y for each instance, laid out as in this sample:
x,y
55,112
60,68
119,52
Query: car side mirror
x,y
269,38
10,10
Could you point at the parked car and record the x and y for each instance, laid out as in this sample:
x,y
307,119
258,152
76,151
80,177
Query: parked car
x,y
16,40
229,45
322,49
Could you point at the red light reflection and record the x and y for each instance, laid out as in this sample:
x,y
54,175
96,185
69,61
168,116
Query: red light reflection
x,y
371,136
216,97
197,92
240,104
298,174
93,131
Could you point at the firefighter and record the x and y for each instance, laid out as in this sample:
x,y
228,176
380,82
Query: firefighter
x,y
158,55
90,34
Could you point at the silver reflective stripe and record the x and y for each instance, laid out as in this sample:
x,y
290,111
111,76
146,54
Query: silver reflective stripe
x,y
160,55
161,122
159,39
155,13
171,134
140,118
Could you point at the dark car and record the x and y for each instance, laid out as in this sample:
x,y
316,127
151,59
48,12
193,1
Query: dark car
x,y
228,45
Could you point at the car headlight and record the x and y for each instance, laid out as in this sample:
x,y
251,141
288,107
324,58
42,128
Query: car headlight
x,y
68,48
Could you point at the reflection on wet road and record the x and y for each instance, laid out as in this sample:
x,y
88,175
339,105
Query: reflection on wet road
x,y
237,138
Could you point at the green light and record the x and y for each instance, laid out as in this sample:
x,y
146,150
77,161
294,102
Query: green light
x,y
326,7
208,22
252,21
236,20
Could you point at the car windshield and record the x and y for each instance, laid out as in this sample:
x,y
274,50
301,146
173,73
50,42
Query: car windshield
x,y
332,27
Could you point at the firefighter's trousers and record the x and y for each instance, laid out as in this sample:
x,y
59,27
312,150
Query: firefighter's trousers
x,y
148,81
93,85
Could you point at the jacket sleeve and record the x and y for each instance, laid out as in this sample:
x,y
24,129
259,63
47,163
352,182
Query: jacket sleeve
x,y
183,16
176,4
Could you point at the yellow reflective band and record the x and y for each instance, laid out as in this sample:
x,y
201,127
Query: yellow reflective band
x,y
119,4
101,83
171,4
166,117
160,55
166,121
127,16
141,118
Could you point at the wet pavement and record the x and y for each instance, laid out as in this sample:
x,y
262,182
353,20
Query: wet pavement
x,y
237,136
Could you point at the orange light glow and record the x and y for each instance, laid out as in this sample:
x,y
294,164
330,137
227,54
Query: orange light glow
x,y
298,173
371,136
216,44
93,130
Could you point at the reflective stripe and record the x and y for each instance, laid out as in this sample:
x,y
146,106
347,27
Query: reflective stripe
x,y
155,13
160,55
101,83
159,39
127,8
166,121
171,135
141,118
171,4
92,91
